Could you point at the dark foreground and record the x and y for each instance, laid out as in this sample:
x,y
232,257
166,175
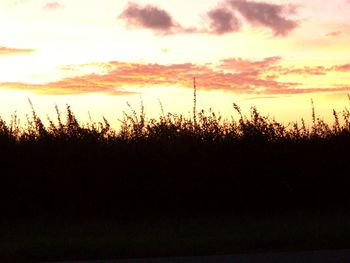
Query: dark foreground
x,y
98,201
172,187
325,256
62,239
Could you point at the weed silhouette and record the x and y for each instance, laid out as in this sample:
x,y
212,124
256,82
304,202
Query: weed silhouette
x,y
173,164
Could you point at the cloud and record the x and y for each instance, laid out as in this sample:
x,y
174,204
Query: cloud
x,y
121,75
334,34
68,86
265,14
342,68
8,51
265,97
223,21
150,17
244,65
52,6
290,91
315,70
270,66
235,75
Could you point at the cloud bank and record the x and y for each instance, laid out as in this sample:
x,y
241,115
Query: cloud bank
x,y
237,75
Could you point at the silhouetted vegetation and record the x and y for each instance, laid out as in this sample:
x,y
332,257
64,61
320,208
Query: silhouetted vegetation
x,y
174,164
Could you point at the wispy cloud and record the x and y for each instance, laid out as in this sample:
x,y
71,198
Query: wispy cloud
x,y
315,70
245,65
10,51
304,71
334,34
262,97
68,86
271,65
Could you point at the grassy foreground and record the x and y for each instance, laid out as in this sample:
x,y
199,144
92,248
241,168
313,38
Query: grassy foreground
x,y
161,186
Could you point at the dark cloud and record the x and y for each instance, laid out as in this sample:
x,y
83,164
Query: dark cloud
x,y
223,21
265,14
149,16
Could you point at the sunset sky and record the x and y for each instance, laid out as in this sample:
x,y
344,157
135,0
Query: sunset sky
x,y
96,55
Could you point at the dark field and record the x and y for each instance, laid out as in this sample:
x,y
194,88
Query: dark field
x,y
161,186
57,239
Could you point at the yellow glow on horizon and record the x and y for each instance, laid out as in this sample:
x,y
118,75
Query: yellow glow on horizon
x,y
291,108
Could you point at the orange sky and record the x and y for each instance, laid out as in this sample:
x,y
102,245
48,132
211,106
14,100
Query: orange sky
x,y
97,55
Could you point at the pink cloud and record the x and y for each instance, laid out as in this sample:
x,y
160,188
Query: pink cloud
x,y
244,65
235,75
317,70
52,6
334,34
342,68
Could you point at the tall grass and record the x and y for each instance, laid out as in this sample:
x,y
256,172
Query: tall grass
x,y
172,163
205,126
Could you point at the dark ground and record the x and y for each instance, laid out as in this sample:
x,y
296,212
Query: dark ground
x,y
324,256
77,200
